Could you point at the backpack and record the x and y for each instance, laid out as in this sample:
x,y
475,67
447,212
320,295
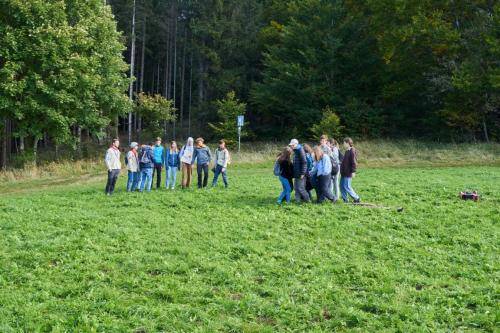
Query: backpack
x,y
277,169
341,156
145,157
335,166
126,159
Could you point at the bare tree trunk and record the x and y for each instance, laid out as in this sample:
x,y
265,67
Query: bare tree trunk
x,y
21,144
485,130
175,70
35,150
78,142
190,93
131,84
183,79
5,138
158,87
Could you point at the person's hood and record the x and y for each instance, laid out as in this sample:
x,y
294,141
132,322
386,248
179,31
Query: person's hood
x,y
190,141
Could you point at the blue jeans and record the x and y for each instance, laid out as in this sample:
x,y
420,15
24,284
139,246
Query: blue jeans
x,y
346,189
287,190
146,179
171,177
218,171
133,181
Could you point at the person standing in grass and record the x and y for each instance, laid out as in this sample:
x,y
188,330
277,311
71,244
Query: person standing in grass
x,y
299,171
335,185
113,165
322,172
285,174
186,157
158,161
203,157
172,164
310,164
348,171
146,165
132,167
222,158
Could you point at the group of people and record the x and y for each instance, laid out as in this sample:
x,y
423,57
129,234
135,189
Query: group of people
x,y
323,168
299,167
145,161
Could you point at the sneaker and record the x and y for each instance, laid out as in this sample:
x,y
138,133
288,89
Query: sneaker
x,y
357,201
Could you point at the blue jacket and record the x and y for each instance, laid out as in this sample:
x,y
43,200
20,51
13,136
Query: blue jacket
x,y
323,167
202,155
310,162
146,158
172,160
158,154
299,162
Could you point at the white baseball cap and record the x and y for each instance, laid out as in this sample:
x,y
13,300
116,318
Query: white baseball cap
x,y
134,145
293,142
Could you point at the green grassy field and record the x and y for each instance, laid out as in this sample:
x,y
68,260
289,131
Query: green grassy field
x,y
74,260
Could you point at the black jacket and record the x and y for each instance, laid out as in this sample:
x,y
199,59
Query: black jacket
x,y
287,171
299,162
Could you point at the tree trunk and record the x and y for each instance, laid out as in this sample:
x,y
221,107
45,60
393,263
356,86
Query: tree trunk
x,y
183,79
5,138
21,144
190,93
175,69
131,84
35,149
78,142
485,130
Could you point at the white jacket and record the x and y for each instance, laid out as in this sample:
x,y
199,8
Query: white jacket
x,y
112,159
133,162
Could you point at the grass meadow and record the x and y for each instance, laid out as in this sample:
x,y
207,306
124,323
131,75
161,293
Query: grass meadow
x,y
216,260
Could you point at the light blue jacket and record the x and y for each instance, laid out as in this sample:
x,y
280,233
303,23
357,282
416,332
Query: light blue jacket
x,y
323,167
158,155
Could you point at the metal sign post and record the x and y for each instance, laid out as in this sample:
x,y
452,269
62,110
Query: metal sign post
x,y
240,123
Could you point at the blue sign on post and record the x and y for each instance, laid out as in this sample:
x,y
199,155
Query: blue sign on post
x,y
241,121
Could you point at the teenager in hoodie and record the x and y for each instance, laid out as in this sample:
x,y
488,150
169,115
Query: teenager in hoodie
x,y
221,161
172,164
113,165
348,171
146,165
299,171
158,161
203,157
186,157
322,172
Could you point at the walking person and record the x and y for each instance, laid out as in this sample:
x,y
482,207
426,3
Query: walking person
x,y
284,170
222,159
113,165
203,157
186,156
322,171
335,185
146,165
299,171
310,164
158,161
132,167
172,164
325,144
348,172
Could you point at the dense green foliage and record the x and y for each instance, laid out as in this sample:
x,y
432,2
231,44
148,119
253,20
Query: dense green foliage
x,y
216,260
61,67
390,69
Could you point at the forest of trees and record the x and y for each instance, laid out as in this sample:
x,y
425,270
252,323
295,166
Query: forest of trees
x,y
376,68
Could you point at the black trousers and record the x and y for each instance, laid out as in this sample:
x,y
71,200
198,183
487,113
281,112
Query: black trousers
x,y
202,169
323,188
112,178
157,169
